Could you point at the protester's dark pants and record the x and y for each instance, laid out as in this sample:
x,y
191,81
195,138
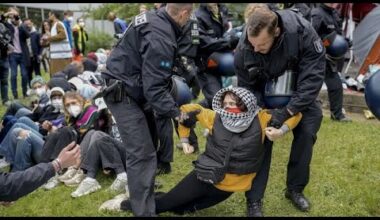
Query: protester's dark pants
x,y
34,67
4,72
141,161
55,142
107,152
335,92
165,136
16,59
298,170
190,195
210,84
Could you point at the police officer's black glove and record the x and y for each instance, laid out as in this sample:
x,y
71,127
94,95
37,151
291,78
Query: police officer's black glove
x,y
189,119
279,116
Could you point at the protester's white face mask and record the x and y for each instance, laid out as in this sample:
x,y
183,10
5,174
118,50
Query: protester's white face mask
x,y
81,24
40,91
57,104
71,19
74,110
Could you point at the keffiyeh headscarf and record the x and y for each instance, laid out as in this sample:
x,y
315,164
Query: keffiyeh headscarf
x,y
236,122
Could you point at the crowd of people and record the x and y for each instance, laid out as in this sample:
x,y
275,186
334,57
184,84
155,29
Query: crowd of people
x,y
113,110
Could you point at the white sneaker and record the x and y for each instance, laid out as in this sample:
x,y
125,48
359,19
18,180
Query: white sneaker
x,y
77,178
119,185
70,173
115,203
3,163
87,186
52,183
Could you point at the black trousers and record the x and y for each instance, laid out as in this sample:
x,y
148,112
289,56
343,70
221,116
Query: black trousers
x,y
210,84
165,137
106,152
133,122
35,66
335,92
298,169
190,195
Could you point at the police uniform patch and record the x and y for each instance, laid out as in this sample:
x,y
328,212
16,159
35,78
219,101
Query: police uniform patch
x,y
318,46
141,19
166,64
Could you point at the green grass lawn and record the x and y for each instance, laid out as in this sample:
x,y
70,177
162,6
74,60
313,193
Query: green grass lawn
x,y
344,180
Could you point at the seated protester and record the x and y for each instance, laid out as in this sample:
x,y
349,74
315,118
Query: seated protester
x,y
73,69
234,149
23,143
107,153
90,74
86,90
39,88
81,119
59,82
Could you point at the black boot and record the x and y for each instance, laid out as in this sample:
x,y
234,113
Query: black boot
x,y
298,200
254,208
163,168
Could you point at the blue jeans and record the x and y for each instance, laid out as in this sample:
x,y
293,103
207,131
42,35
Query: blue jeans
x,y
4,72
28,151
9,143
16,59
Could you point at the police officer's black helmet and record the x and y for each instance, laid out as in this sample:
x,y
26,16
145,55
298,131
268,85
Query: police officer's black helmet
x,y
278,91
221,63
180,91
337,48
372,94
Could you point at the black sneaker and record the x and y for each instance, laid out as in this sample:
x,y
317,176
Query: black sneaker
x,y
163,168
254,208
298,200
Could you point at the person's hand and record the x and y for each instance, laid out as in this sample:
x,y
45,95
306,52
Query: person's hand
x,y
187,148
6,204
189,119
279,116
70,155
23,134
273,133
47,125
234,40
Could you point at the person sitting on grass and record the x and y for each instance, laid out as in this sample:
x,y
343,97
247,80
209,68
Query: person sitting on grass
x,y
233,155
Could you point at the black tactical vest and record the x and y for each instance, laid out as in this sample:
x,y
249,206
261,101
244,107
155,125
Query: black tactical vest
x,y
248,152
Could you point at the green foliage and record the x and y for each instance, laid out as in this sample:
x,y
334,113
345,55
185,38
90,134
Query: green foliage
x,y
124,11
98,40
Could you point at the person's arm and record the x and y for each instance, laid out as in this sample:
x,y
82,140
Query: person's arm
x,y
311,72
60,34
158,57
17,184
205,117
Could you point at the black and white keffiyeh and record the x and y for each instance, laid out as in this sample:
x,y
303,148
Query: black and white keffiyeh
x,y
236,122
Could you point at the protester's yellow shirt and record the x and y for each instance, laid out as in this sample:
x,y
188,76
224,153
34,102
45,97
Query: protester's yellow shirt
x,y
206,117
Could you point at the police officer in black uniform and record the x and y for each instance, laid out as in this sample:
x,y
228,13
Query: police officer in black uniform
x,y
211,30
184,66
326,20
272,43
139,70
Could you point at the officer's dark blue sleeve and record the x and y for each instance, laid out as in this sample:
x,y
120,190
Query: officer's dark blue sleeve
x,y
208,44
316,21
158,56
311,72
17,184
